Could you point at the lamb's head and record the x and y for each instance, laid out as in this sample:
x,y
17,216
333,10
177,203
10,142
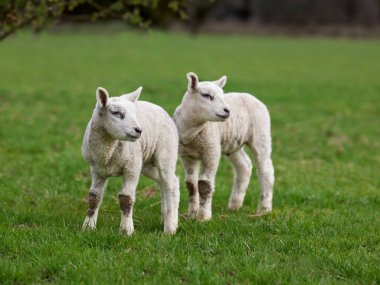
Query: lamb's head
x,y
117,115
206,99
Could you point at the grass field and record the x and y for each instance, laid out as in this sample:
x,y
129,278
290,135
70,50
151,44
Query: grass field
x,y
324,99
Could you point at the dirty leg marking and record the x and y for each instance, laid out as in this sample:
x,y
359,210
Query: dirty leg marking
x,y
191,189
125,204
93,201
204,188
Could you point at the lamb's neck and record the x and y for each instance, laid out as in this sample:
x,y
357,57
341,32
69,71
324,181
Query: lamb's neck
x,y
188,126
102,146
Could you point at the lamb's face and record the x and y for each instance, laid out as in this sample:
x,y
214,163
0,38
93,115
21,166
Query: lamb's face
x,y
206,99
119,115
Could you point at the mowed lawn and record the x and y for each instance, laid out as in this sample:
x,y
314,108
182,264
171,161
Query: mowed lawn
x,y
324,99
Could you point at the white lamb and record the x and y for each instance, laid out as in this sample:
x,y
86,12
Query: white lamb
x,y
128,137
210,123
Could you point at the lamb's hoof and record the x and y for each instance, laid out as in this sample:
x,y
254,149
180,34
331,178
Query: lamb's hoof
x,y
235,205
193,210
170,227
192,214
204,217
126,229
263,210
126,232
170,232
89,224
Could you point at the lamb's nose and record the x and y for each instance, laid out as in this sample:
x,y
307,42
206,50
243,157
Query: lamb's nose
x,y
226,110
138,130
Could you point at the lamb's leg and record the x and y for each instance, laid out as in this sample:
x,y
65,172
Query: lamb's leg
x,y
153,173
265,172
206,184
192,171
242,172
126,201
170,192
95,197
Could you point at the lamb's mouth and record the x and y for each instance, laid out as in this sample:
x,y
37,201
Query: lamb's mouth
x,y
133,136
226,116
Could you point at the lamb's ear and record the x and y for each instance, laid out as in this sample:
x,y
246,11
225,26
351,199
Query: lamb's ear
x,y
221,81
134,96
102,96
193,81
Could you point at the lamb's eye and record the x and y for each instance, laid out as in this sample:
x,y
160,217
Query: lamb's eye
x,y
207,96
118,114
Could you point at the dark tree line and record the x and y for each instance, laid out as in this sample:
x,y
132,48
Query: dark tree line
x,y
15,14
300,12
289,15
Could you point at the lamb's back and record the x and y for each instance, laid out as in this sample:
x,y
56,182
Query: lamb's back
x,y
159,130
238,129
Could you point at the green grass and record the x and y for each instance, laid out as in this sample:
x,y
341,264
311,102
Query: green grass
x,y
324,99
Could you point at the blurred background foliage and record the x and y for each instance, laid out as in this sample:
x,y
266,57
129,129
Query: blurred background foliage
x,y
192,14
37,13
